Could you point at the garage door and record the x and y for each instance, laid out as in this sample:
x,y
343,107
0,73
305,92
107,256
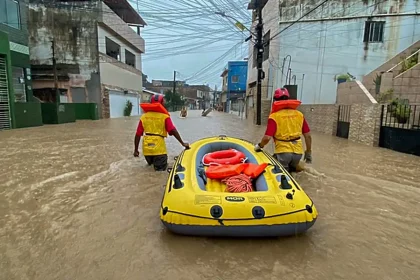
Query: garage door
x,y
117,103
4,96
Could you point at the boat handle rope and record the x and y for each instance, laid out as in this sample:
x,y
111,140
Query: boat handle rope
x,y
234,219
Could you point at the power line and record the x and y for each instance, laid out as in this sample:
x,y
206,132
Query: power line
x,y
281,31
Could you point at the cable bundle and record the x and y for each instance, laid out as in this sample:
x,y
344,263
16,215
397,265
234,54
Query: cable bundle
x,y
237,184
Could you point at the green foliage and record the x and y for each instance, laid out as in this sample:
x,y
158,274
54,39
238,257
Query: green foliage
x,y
173,100
402,113
377,79
392,106
342,77
399,110
127,109
377,82
408,63
386,96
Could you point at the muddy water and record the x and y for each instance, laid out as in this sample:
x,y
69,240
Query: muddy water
x,y
74,204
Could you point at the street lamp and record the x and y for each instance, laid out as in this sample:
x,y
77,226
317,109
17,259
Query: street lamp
x,y
238,24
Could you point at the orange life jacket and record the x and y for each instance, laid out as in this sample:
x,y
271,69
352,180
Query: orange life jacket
x,y
224,171
228,170
153,107
254,170
285,104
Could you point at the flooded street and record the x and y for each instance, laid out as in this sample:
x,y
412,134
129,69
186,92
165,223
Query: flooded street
x,y
75,204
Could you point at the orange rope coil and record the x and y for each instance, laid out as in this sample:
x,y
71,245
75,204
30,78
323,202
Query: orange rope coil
x,y
237,184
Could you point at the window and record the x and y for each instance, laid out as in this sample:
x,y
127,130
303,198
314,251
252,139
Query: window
x,y
10,13
112,49
374,32
235,79
266,42
130,58
19,84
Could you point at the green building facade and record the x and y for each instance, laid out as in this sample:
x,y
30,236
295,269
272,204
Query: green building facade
x,y
17,105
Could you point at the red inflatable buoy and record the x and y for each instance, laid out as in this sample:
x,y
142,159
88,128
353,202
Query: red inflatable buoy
x,y
230,156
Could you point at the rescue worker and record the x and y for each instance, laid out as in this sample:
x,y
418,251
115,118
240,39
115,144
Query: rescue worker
x,y
155,126
286,126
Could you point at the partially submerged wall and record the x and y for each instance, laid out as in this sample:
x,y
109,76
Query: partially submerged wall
x,y
351,93
72,26
321,117
364,121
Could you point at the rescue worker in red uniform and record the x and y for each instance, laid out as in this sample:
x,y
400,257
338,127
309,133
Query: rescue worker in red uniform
x,y
286,125
154,125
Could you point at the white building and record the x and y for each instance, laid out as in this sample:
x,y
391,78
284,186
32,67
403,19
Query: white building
x,y
340,37
354,37
120,50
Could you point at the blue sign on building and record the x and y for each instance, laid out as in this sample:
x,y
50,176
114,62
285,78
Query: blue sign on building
x,y
235,75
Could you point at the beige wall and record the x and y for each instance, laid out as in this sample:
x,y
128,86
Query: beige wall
x,y
321,117
103,32
407,85
365,124
114,22
224,83
351,93
364,121
251,108
118,74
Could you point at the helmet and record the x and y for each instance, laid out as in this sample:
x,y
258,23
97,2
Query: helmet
x,y
157,98
280,92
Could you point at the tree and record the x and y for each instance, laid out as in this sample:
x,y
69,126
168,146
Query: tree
x,y
127,109
173,100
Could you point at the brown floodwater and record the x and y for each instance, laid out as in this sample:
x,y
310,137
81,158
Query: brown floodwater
x,y
75,204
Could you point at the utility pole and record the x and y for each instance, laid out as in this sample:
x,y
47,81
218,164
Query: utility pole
x,y
174,82
258,5
173,96
214,95
57,93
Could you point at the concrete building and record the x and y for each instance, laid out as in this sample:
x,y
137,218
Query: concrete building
x,y
195,96
120,50
98,54
340,37
17,108
234,85
343,37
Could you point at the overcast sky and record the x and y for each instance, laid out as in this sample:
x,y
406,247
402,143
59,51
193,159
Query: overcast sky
x,y
188,37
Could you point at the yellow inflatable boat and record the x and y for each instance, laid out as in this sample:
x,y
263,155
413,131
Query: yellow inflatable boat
x,y
195,205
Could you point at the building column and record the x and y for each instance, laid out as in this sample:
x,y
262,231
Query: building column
x,y
122,54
